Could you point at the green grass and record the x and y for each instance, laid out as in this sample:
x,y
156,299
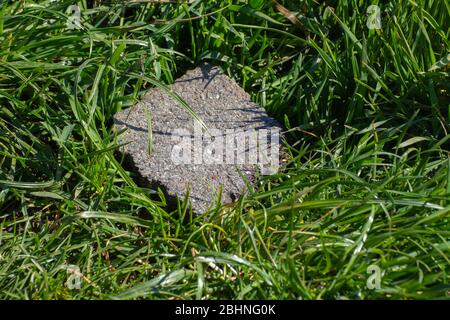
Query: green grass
x,y
366,182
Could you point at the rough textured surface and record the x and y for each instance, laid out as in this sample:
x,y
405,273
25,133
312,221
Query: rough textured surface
x,y
221,104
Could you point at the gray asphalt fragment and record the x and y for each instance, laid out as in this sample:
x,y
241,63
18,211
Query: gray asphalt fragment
x,y
222,105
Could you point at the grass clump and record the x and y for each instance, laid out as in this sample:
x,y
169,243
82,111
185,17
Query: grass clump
x,y
366,182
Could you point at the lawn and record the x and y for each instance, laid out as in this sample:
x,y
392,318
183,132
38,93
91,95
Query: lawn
x,y
359,210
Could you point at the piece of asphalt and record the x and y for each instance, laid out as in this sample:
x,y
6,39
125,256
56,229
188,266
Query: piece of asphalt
x,y
222,105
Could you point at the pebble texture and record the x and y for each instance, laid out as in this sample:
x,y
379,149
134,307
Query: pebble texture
x,y
221,104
